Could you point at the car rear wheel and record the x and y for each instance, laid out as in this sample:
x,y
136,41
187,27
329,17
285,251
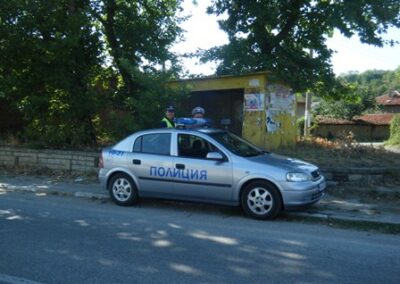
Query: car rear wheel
x,y
123,190
261,200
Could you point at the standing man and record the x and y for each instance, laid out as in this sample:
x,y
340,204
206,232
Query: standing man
x,y
168,120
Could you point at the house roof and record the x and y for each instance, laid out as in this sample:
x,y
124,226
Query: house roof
x,y
331,120
376,118
390,99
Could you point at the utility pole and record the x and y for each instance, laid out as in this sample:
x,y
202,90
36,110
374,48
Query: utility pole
x,y
307,114
307,111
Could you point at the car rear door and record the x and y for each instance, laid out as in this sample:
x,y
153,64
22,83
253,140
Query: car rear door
x,y
196,177
149,162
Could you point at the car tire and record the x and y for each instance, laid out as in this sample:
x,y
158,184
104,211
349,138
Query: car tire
x,y
261,200
123,190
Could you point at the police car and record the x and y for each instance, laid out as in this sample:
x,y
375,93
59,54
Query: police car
x,y
207,165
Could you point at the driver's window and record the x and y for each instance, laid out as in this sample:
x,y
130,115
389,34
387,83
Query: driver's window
x,y
192,146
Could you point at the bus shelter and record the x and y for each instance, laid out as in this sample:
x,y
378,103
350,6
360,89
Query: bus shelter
x,y
248,105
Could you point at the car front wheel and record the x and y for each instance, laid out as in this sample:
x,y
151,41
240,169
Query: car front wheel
x,y
261,200
123,190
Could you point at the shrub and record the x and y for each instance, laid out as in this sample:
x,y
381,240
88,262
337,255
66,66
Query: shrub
x,y
395,131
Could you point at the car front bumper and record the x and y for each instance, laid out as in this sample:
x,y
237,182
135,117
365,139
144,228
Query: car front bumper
x,y
297,194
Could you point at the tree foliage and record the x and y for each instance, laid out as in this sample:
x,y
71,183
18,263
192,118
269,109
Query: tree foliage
x,y
395,131
362,90
138,35
280,35
47,57
66,65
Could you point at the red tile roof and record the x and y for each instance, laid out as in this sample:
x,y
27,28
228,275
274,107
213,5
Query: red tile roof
x,y
392,99
376,119
331,120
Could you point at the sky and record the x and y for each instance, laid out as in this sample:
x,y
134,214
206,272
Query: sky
x,y
202,32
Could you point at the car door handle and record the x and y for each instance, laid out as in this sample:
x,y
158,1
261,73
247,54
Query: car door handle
x,y
180,166
136,162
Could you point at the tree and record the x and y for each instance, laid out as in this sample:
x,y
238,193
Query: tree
x,y
138,35
64,64
48,53
289,37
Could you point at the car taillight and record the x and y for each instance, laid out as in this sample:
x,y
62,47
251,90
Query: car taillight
x,y
101,162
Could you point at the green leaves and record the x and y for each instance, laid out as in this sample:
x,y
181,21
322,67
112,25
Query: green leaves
x,y
289,37
66,64
356,93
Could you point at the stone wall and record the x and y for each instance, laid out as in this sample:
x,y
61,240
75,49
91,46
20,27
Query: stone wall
x,y
87,162
361,176
73,161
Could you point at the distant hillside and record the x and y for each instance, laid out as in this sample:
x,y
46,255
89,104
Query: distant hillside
x,y
375,82
365,88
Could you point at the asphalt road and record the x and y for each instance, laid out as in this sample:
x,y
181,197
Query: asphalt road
x,y
50,239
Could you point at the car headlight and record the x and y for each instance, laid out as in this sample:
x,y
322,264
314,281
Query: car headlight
x,y
297,177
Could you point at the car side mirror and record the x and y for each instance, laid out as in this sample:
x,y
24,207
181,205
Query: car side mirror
x,y
215,156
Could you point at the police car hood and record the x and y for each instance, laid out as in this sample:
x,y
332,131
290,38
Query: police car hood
x,y
283,162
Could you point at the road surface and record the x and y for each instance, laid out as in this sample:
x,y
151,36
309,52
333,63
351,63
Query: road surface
x,y
53,239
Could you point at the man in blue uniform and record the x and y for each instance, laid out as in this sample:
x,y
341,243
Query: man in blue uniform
x,y
198,112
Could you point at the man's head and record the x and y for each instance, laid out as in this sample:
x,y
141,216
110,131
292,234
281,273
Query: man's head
x,y
198,112
170,112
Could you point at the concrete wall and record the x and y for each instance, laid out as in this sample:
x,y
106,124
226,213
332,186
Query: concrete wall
x,y
73,161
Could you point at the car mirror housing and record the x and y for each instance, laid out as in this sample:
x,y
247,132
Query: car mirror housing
x,y
215,156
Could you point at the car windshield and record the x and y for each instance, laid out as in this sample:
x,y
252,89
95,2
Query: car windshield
x,y
236,144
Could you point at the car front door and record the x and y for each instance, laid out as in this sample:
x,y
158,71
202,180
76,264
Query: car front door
x,y
149,162
199,178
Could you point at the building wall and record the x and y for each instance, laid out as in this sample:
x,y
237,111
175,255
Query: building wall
x,y
362,133
391,109
300,109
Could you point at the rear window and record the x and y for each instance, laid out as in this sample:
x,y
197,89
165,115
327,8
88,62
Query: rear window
x,y
158,143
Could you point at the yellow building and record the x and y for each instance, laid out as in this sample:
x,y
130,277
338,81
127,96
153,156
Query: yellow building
x,y
256,109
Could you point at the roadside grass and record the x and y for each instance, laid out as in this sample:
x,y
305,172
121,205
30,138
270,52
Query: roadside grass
x,y
343,153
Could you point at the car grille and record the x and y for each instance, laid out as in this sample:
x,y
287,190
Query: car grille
x,y
315,174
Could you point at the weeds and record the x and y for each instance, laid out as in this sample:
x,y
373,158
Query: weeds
x,y
343,152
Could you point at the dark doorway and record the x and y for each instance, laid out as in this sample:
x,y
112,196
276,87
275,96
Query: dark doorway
x,y
220,105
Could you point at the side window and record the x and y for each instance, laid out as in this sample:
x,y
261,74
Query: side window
x,y
137,147
192,146
159,143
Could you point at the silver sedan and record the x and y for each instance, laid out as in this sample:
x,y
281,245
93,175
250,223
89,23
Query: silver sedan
x,y
207,165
